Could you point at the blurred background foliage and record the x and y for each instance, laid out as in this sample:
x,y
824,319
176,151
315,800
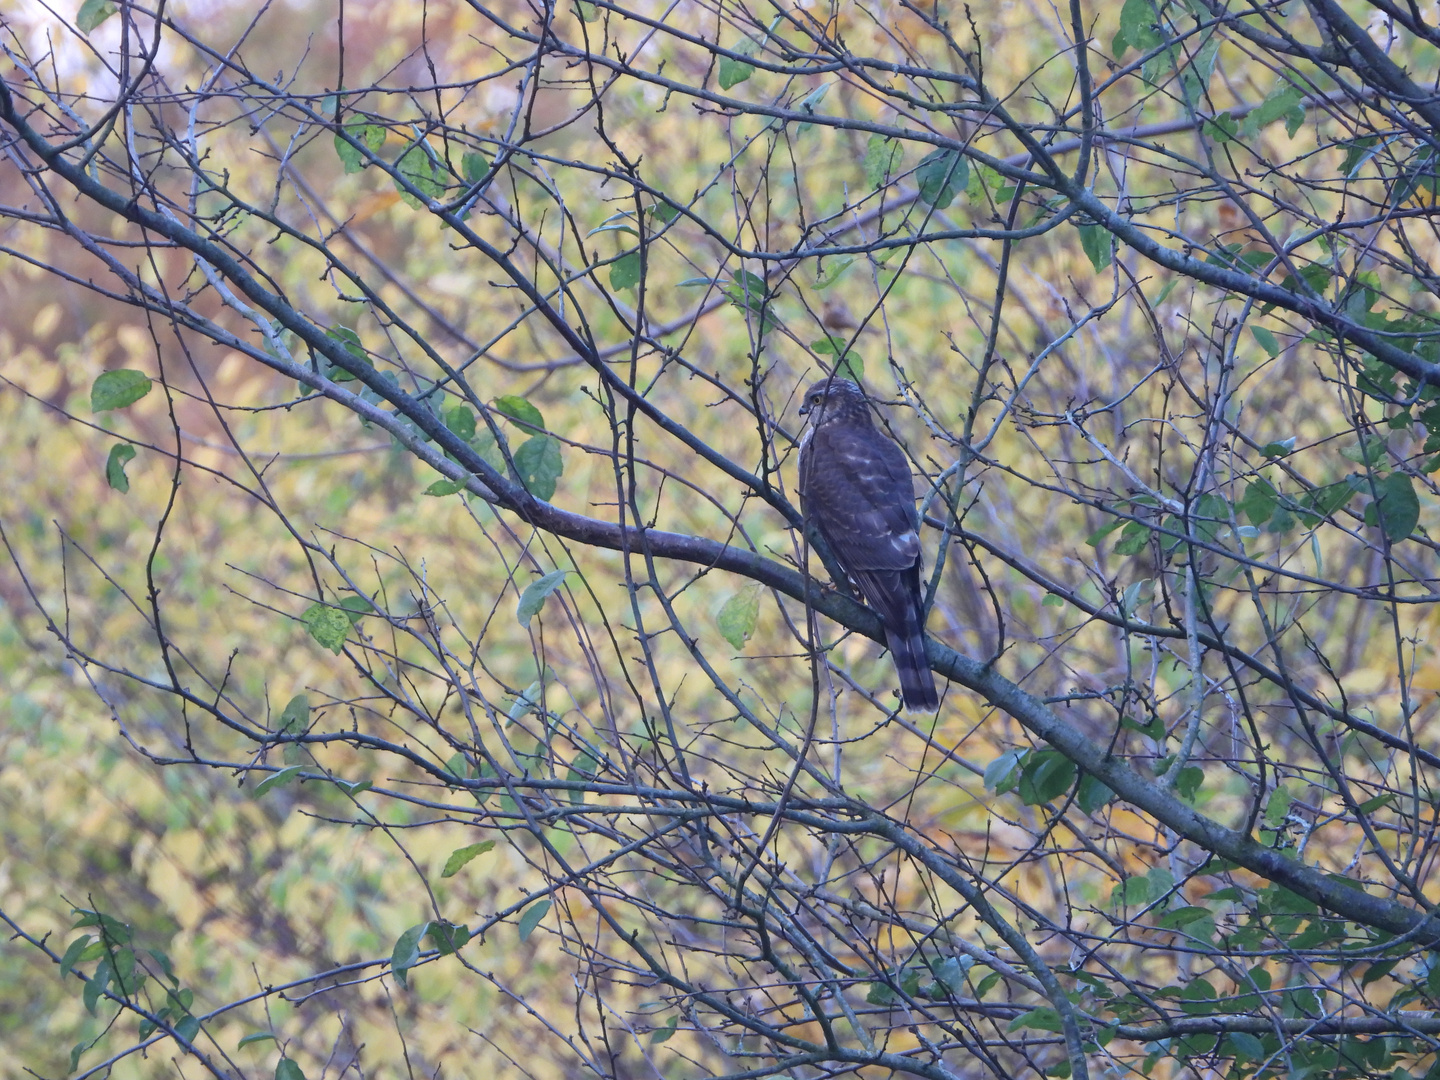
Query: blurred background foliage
x,y
284,905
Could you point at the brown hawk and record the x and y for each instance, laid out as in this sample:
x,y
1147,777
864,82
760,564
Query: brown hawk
x,y
855,487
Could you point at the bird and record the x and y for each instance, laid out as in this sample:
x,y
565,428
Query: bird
x,y
857,491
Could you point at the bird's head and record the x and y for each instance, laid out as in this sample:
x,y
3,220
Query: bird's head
x,y
835,399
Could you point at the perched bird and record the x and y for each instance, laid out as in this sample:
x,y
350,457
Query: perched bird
x,y
855,487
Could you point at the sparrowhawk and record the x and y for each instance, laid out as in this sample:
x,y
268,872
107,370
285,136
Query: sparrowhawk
x,y
856,489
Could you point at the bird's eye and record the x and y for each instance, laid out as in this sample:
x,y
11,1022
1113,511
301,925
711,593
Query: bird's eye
x,y
814,399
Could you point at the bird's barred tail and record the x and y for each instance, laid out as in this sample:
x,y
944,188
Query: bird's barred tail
x,y
917,683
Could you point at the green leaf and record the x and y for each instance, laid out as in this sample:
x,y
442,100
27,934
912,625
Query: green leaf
x,y
824,279
1183,916
1003,773
736,617
530,918
458,767
527,700
1095,240
76,951
91,14
1188,781
882,159
1367,452
1093,794
127,977
407,952
1277,807
1093,540
524,414
1041,1019
538,462
1283,101
460,420
1279,900
583,768
533,598
617,222
587,10
112,930
747,291
350,340
1141,889
1195,78
1221,128
1165,292
1326,500
277,779
1375,972
357,787
460,856
662,1034
1132,539
257,1037
117,389
474,166
1315,275
1259,501
734,71
880,994
295,717
448,937
441,488
115,476
1294,119
327,625
1137,25
625,271
1046,775
371,136
95,986
417,167
356,608
1397,506
811,101
1267,341
1357,152
950,973
1161,64
849,366
288,1070
1246,1046
941,175
1279,449
1369,806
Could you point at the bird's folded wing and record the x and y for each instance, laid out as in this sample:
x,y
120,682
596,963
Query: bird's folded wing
x,y
857,489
